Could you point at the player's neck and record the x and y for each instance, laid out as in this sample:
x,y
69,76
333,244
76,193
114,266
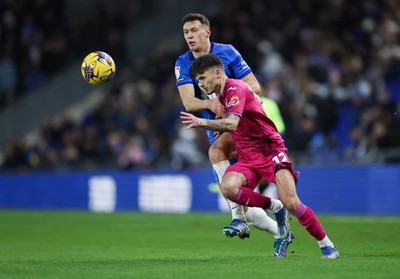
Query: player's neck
x,y
221,86
202,51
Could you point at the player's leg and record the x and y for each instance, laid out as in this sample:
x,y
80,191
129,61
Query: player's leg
x,y
231,187
220,153
285,182
268,189
258,218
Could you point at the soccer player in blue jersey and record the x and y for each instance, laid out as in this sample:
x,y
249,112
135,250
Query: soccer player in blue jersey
x,y
196,30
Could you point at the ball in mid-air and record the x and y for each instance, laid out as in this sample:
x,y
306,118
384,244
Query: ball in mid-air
x,y
98,68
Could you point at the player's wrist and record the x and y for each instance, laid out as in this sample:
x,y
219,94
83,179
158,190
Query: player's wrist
x,y
201,122
209,104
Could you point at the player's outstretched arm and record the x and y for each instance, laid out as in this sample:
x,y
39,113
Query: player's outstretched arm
x,y
191,103
227,124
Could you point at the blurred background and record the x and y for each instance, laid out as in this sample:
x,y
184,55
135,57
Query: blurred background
x,y
332,66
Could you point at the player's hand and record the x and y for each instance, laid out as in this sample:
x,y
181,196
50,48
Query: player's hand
x,y
189,119
217,107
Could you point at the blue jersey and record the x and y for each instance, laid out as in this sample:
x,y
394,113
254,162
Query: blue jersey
x,y
234,64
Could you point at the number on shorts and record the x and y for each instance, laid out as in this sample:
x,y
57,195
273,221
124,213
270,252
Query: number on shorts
x,y
281,157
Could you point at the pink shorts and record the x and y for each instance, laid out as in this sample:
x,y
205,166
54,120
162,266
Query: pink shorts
x,y
264,167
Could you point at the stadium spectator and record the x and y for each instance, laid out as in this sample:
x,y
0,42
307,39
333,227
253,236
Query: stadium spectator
x,y
8,79
334,54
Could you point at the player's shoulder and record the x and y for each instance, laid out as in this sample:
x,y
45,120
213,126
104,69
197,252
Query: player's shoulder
x,y
218,48
226,52
185,58
238,82
236,85
182,65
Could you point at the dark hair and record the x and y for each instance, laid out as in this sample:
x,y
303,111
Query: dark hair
x,y
205,62
195,16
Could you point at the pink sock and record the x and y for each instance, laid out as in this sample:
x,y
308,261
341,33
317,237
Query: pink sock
x,y
248,197
309,221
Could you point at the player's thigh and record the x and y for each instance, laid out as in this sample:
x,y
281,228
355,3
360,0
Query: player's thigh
x,y
286,186
249,178
222,149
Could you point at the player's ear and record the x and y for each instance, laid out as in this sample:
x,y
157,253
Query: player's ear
x,y
218,72
208,32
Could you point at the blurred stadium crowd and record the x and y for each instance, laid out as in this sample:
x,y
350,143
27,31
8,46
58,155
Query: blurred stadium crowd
x,y
332,66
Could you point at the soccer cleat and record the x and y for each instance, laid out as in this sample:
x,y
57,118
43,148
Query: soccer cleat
x,y
329,252
237,228
281,245
283,224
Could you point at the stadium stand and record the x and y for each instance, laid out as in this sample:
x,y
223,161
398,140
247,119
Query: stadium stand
x,y
332,66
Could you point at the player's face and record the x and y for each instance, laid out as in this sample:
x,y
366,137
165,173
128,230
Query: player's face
x,y
209,81
197,36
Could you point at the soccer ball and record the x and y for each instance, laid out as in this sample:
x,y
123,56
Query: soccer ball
x,y
98,68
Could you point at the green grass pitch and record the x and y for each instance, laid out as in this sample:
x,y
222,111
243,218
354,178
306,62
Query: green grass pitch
x,y
43,244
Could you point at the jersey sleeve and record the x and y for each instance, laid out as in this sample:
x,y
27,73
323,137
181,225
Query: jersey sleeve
x,y
237,63
182,72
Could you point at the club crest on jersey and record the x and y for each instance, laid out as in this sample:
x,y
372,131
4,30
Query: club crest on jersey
x,y
233,101
177,72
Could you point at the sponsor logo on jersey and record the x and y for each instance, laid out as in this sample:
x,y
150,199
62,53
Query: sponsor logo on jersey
x,y
233,101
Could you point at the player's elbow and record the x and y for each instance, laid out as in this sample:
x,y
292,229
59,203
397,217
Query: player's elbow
x,y
256,88
231,127
231,122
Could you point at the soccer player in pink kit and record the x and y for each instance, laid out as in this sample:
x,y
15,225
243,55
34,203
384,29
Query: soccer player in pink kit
x,y
197,33
260,149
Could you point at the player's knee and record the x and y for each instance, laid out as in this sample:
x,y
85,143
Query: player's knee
x,y
227,191
222,149
290,203
216,154
229,188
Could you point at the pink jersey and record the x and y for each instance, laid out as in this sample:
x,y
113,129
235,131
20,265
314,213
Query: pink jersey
x,y
255,129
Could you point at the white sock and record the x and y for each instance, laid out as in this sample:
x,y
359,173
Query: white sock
x,y
325,242
220,168
271,191
258,218
236,209
276,205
